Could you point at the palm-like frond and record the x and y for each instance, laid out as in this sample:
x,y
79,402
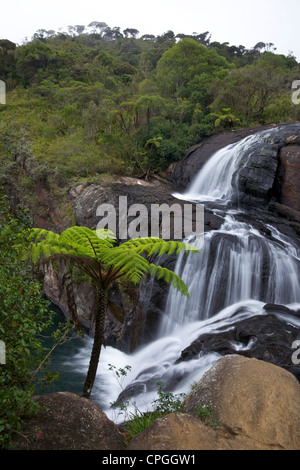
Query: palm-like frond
x,y
95,252
126,263
133,266
73,242
170,278
151,246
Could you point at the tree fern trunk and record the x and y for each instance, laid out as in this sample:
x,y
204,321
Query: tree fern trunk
x,y
102,302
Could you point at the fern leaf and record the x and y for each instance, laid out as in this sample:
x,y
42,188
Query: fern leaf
x,y
152,245
170,278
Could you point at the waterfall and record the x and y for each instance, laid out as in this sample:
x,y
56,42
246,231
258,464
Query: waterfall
x,y
235,264
214,180
237,272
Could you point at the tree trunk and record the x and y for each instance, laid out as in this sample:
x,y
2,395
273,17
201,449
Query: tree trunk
x,y
102,302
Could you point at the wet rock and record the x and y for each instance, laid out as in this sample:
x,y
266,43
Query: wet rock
x,y
290,162
257,177
265,337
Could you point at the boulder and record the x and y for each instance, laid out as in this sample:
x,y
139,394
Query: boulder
x,y
178,431
255,406
252,400
68,422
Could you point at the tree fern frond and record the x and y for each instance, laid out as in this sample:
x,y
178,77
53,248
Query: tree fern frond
x,y
93,241
74,241
36,235
125,262
170,278
152,245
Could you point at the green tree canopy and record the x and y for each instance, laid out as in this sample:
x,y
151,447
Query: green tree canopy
x,y
183,63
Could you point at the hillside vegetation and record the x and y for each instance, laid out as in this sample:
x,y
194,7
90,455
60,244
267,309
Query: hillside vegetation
x,y
97,102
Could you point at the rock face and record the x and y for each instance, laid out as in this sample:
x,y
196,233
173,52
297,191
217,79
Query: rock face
x,y
135,192
257,177
270,170
68,422
257,406
290,163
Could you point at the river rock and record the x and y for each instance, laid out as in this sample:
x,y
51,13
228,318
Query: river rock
x,y
253,400
267,337
68,422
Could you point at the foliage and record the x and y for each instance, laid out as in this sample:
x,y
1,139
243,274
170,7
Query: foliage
x,y
251,90
24,319
204,413
225,119
87,101
137,421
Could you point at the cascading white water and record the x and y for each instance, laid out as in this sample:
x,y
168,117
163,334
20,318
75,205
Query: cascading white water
x,y
237,267
235,264
214,180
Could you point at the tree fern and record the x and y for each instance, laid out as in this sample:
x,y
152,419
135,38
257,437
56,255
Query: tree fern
x,y
95,253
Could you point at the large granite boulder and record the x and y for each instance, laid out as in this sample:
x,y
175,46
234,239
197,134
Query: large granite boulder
x,y
68,422
255,406
253,400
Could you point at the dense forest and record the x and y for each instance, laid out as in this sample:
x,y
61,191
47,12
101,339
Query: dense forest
x,y
99,101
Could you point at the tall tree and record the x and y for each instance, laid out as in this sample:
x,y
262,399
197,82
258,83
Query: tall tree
x,y
184,62
96,254
249,90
